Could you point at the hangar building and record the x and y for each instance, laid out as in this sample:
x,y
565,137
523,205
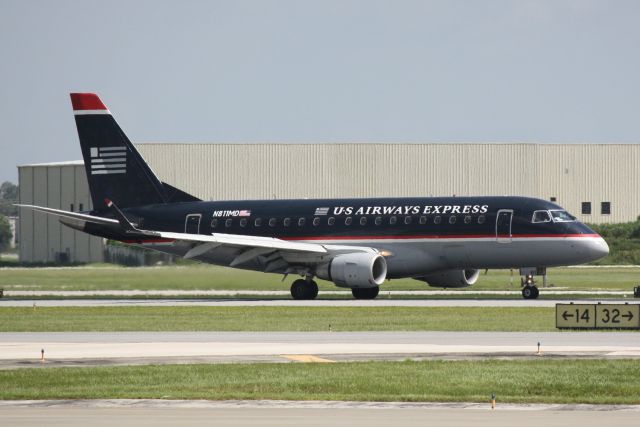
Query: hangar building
x,y
593,181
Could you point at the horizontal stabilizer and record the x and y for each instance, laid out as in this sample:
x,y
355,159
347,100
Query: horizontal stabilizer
x,y
73,215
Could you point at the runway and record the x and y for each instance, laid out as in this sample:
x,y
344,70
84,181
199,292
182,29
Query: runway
x,y
109,348
153,413
247,302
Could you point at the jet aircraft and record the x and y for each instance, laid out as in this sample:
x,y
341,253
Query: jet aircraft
x,y
354,243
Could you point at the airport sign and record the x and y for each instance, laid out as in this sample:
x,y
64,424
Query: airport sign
x,y
598,316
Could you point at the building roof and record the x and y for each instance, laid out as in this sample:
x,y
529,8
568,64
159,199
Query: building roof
x,y
67,163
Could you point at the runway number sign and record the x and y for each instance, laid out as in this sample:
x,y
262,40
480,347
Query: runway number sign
x,y
598,316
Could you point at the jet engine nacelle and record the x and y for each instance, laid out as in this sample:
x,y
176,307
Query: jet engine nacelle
x,y
452,278
357,270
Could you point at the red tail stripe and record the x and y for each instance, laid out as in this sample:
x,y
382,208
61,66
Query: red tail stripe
x,y
86,101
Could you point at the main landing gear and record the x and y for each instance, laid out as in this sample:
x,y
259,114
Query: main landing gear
x,y
365,293
307,289
302,289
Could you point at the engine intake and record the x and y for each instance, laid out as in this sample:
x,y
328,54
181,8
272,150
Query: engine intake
x,y
357,270
451,278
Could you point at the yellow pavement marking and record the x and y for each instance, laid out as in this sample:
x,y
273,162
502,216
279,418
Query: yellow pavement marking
x,y
307,358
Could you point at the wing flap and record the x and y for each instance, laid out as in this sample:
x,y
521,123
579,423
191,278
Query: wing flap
x,y
244,241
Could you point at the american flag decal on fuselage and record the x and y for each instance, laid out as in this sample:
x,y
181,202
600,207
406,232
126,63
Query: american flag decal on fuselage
x,y
321,211
108,160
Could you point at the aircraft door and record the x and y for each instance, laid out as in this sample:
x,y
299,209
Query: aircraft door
x,y
192,224
503,225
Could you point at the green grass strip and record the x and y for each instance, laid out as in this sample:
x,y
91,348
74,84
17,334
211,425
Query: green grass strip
x,y
535,381
59,319
205,277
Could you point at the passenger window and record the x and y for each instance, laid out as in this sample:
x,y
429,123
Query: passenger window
x,y
258,222
228,223
453,219
331,220
467,219
301,222
481,219
363,220
437,219
316,221
378,220
423,220
407,220
541,216
214,223
393,220
286,222
243,222
348,220
273,222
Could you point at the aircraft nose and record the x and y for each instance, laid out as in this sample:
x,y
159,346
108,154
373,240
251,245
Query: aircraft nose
x,y
598,248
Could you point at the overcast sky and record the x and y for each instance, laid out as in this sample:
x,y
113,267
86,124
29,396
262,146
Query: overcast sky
x,y
325,71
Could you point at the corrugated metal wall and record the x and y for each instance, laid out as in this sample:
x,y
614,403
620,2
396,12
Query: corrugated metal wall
x,y
572,173
42,237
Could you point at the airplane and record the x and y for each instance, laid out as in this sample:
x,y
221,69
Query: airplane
x,y
354,243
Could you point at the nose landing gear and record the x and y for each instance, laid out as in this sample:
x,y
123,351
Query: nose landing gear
x,y
530,291
529,288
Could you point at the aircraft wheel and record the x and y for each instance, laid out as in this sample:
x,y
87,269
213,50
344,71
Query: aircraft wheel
x,y
312,290
303,290
365,293
530,292
536,292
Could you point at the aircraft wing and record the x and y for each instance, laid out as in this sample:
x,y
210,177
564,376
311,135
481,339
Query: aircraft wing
x,y
242,241
272,254
275,255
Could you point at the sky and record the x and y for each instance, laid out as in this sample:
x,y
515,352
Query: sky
x,y
554,71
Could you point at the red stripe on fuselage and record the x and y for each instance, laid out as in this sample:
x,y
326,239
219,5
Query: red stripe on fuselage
x,y
149,241
435,237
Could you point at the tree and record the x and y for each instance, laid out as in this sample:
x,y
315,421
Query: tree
x,y
9,191
8,196
5,233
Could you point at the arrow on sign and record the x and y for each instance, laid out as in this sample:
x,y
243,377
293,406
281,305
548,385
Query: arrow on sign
x,y
629,316
566,315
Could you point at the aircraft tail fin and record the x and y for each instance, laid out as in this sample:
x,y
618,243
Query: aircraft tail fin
x,y
115,170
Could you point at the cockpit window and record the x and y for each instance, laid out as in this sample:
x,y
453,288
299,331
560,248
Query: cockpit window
x,y
562,216
541,216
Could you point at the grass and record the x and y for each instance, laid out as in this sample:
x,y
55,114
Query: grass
x,y
50,319
206,277
533,381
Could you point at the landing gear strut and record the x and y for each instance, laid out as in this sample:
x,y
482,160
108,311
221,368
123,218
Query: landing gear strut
x,y
365,293
302,289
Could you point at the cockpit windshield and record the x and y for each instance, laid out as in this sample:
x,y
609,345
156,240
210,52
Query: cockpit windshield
x,y
541,216
562,216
